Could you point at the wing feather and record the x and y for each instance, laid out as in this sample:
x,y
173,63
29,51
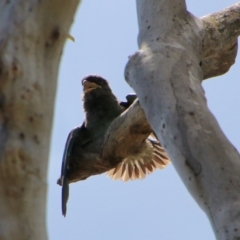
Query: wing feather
x,y
151,157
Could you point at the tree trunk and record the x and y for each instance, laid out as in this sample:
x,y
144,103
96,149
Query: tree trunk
x,y
166,74
32,38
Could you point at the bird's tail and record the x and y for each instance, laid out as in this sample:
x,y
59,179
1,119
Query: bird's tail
x,y
65,195
134,167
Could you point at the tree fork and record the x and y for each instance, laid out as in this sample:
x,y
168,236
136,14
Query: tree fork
x,y
166,76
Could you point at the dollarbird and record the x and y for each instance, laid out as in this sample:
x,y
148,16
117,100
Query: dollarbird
x,y
101,108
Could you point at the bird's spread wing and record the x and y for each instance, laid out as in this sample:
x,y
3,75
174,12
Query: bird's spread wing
x,y
137,166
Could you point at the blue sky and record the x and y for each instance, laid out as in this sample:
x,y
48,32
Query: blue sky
x,y
158,207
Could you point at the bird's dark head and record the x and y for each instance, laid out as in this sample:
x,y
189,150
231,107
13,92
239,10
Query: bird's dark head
x,y
97,94
94,84
99,102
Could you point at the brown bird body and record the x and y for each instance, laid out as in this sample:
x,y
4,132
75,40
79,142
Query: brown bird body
x,y
101,108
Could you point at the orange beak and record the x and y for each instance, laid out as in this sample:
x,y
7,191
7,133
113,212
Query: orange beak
x,y
89,86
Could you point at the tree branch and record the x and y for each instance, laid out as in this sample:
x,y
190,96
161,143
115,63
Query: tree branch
x,y
220,44
136,129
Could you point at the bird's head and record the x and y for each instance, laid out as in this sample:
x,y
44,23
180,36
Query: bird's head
x,y
95,85
97,94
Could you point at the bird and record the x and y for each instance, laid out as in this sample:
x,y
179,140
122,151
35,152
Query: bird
x,y
101,107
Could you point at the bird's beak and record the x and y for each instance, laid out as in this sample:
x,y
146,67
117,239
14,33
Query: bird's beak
x,y
89,86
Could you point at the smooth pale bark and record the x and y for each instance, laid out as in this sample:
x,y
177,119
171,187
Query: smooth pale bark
x,y
32,35
166,75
